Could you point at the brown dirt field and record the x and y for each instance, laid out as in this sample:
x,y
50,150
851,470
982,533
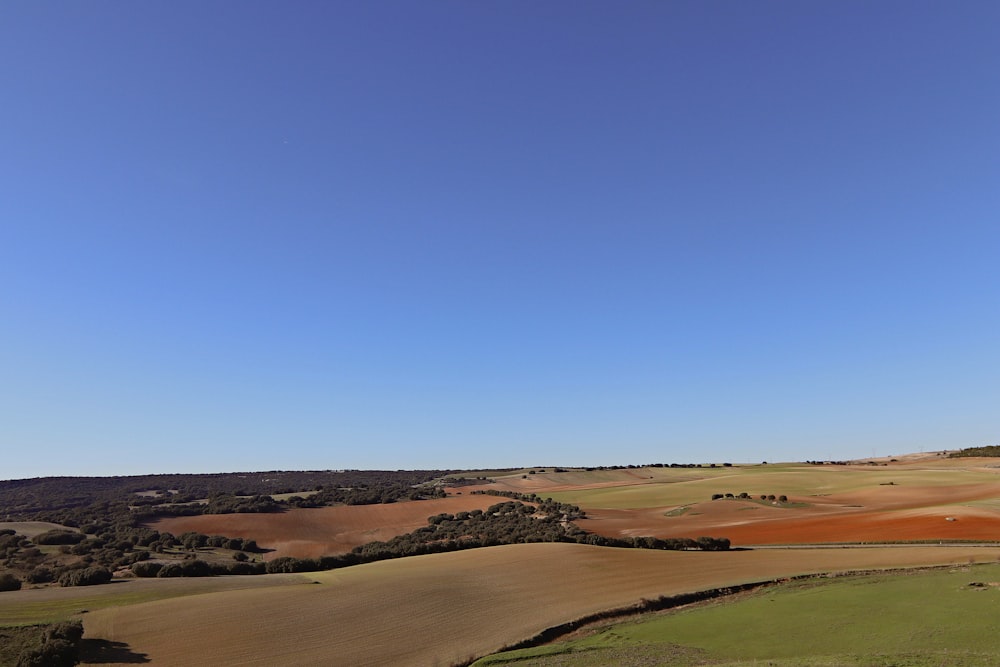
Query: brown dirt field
x,y
313,532
882,514
444,608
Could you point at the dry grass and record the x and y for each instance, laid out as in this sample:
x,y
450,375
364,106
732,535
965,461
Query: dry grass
x,y
33,528
442,609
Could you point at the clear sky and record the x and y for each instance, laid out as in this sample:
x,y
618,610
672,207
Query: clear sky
x,y
310,235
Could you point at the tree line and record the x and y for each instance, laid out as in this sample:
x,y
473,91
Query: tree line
x,y
770,497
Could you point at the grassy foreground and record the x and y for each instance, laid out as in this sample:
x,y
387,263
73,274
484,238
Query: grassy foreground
x,y
942,617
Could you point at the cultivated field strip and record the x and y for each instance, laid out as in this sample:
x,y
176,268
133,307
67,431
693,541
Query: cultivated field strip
x,y
444,609
46,605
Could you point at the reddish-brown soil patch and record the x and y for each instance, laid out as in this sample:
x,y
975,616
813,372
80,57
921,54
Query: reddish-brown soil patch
x,y
806,527
309,533
885,514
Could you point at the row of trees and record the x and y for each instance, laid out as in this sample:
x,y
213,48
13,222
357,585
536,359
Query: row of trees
x,y
986,450
194,567
546,506
383,494
746,496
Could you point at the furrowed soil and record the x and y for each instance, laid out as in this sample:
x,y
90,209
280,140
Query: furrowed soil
x,y
447,608
312,532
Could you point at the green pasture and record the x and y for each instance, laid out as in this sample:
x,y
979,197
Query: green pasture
x,y
918,619
662,487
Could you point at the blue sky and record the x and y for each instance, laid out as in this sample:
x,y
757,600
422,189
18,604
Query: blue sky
x,y
253,236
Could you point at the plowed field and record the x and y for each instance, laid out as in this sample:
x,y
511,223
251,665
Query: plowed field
x,y
445,608
947,514
308,533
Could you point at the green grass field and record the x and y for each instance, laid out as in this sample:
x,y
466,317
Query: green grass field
x,y
914,619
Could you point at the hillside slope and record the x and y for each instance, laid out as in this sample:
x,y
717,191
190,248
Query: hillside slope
x,y
447,608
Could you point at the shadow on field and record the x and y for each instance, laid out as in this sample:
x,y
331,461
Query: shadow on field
x,y
102,651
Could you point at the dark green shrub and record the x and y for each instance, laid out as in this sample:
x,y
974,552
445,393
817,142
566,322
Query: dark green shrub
x,y
40,575
196,568
60,647
170,570
8,582
146,568
59,536
88,576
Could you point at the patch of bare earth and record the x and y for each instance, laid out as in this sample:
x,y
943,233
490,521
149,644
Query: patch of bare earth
x,y
313,532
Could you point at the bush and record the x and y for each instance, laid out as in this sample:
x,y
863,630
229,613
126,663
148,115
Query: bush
x,y
88,576
713,543
170,570
59,536
8,582
60,647
146,568
196,568
239,568
40,575
289,564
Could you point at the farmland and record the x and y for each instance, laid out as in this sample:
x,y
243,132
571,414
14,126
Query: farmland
x,y
452,608
308,533
927,498
456,606
939,617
